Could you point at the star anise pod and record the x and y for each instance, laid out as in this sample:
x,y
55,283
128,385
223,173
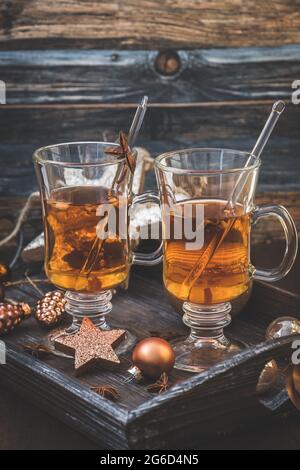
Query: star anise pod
x,y
124,151
37,350
127,152
106,391
161,385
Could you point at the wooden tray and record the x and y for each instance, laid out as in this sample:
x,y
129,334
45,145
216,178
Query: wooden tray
x,y
195,408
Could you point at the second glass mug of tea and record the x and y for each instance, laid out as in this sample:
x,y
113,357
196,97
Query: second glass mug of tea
x,y
86,193
207,244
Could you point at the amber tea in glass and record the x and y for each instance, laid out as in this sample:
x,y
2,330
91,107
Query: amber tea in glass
x,y
226,274
72,222
86,193
207,277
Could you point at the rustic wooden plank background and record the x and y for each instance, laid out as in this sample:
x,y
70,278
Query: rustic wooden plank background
x,y
233,126
174,76
151,23
76,69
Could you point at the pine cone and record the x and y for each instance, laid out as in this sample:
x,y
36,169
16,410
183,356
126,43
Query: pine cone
x,y
50,308
11,316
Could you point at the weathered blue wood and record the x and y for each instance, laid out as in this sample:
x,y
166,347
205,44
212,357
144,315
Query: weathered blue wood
x,y
102,76
218,97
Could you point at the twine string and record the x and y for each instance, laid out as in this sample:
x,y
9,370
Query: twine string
x,y
21,219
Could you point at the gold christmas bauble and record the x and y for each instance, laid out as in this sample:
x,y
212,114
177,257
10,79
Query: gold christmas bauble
x,y
153,356
268,378
292,385
296,378
283,326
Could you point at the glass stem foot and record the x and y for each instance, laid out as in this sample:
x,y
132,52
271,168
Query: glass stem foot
x,y
207,322
93,306
206,345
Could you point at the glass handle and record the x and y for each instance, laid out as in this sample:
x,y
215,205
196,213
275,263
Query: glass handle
x,y
154,258
291,236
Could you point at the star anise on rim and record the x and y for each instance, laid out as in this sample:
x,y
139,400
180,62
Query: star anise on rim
x,y
106,391
37,350
123,151
161,385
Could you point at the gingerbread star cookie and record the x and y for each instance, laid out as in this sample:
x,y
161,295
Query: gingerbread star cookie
x,y
91,346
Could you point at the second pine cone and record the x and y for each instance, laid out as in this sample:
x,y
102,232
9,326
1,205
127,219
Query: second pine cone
x,y
50,308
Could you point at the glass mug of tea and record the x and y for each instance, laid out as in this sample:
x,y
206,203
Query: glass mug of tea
x,y
86,193
207,244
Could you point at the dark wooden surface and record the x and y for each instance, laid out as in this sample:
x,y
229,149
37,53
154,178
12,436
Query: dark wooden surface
x,y
250,326
24,426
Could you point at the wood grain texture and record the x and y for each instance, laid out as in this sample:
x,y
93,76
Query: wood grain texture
x,y
147,24
226,125
217,98
196,407
21,428
113,76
